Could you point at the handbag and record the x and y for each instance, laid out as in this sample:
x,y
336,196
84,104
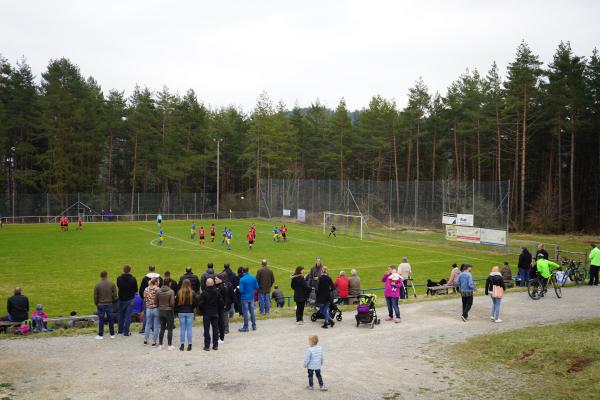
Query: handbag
x,y
497,291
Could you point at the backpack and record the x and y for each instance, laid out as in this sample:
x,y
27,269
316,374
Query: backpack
x,y
24,329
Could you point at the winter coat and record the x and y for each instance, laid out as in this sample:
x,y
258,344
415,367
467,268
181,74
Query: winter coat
x,y
146,281
313,358
210,273
226,291
313,276
494,279
354,285
248,284
265,279
105,293
18,307
165,298
128,287
210,302
194,281
150,296
300,287
343,286
324,288
524,260
391,289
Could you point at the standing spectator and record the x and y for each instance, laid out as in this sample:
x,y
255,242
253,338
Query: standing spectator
x,y
105,293
170,282
151,311
237,298
226,291
248,284
507,275
313,361
144,284
466,286
193,278
524,265
210,304
594,257
315,273
265,279
301,290
495,287
324,288
542,251
343,287
391,291
453,279
137,308
278,297
405,272
128,288
186,304
210,273
232,279
354,285
17,307
166,305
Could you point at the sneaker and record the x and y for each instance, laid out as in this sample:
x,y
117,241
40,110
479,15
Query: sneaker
x,y
243,330
325,326
145,342
310,387
221,341
498,320
181,347
397,320
323,389
463,318
331,323
388,318
492,318
159,347
112,336
189,347
215,347
171,348
98,337
254,328
206,349
153,344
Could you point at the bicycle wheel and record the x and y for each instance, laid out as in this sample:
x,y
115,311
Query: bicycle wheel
x,y
557,288
534,289
579,276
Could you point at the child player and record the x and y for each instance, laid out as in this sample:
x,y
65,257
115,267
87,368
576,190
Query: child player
x,y
212,232
193,231
228,237
253,229
332,231
201,234
283,231
79,223
276,234
161,237
250,237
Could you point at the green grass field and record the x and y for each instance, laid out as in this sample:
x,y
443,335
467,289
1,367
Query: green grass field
x,y
59,269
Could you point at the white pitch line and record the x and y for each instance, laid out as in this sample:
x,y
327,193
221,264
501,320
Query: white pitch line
x,y
217,250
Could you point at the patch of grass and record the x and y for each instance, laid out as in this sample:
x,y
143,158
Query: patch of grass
x,y
551,361
5,385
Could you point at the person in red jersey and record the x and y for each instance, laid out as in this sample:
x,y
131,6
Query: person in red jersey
x,y
79,223
250,237
212,232
201,234
283,231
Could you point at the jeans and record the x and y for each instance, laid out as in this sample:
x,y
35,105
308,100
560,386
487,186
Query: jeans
x,y
211,321
496,308
392,305
264,302
166,318
151,323
324,309
232,309
594,274
300,310
105,311
224,323
185,327
124,316
248,305
310,377
524,274
467,303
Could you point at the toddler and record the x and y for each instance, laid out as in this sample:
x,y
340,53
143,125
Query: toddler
x,y
313,360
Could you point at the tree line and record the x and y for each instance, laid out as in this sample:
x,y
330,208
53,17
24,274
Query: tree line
x,y
539,127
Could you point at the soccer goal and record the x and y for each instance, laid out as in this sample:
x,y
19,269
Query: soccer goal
x,y
348,224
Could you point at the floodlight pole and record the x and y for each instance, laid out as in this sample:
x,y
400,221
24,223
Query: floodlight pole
x,y
218,141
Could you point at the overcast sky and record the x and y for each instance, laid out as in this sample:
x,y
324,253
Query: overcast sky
x,y
297,51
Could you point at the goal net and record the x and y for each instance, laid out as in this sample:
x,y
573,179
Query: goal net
x,y
346,224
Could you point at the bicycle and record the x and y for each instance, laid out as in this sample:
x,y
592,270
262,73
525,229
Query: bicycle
x,y
575,272
536,289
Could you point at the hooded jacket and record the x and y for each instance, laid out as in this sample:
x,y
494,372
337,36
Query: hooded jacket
x,y
127,285
146,280
210,273
165,298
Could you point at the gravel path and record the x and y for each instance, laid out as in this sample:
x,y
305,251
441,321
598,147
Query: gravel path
x,y
390,361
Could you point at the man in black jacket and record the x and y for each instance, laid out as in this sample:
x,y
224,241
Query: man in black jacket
x,y
210,304
194,281
324,288
17,307
127,285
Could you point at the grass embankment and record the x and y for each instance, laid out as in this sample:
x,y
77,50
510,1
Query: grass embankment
x,y
549,362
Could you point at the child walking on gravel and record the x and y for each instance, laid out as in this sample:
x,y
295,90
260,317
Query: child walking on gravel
x,y
313,361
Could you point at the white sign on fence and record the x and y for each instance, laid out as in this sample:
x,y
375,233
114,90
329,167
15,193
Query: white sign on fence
x,y
448,218
493,237
468,234
286,212
301,216
464,219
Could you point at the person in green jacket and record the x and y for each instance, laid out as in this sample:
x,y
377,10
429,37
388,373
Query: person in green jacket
x,y
594,264
544,269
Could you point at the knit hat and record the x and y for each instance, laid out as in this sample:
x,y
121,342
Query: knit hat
x,y
39,307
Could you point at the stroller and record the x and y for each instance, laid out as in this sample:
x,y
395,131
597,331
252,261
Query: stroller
x,y
334,311
365,310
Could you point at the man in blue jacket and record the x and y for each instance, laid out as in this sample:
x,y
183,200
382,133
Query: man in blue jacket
x,y
248,284
466,287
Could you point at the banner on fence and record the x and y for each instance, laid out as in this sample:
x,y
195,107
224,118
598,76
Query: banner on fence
x,y
450,232
286,212
301,216
464,219
448,218
493,237
468,234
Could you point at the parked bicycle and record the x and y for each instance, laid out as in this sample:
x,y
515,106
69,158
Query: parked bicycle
x,y
575,271
536,288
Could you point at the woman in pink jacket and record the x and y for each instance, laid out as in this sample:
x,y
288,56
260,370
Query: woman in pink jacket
x,y
393,287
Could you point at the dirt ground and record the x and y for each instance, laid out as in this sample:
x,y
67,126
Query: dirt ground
x,y
391,361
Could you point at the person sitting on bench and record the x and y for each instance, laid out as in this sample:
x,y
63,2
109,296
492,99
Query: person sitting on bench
x,y
17,307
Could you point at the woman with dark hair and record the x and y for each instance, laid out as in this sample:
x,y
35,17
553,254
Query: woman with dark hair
x,y
324,298
524,265
237,300
301,290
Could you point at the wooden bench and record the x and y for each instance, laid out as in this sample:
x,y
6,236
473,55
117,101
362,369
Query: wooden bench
x,y
9,326
440,289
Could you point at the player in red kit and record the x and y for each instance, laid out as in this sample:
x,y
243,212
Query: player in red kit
x,y
212,233
201,234
250,237
283,231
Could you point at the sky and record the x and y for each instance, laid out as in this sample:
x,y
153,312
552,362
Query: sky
x,y
297,52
